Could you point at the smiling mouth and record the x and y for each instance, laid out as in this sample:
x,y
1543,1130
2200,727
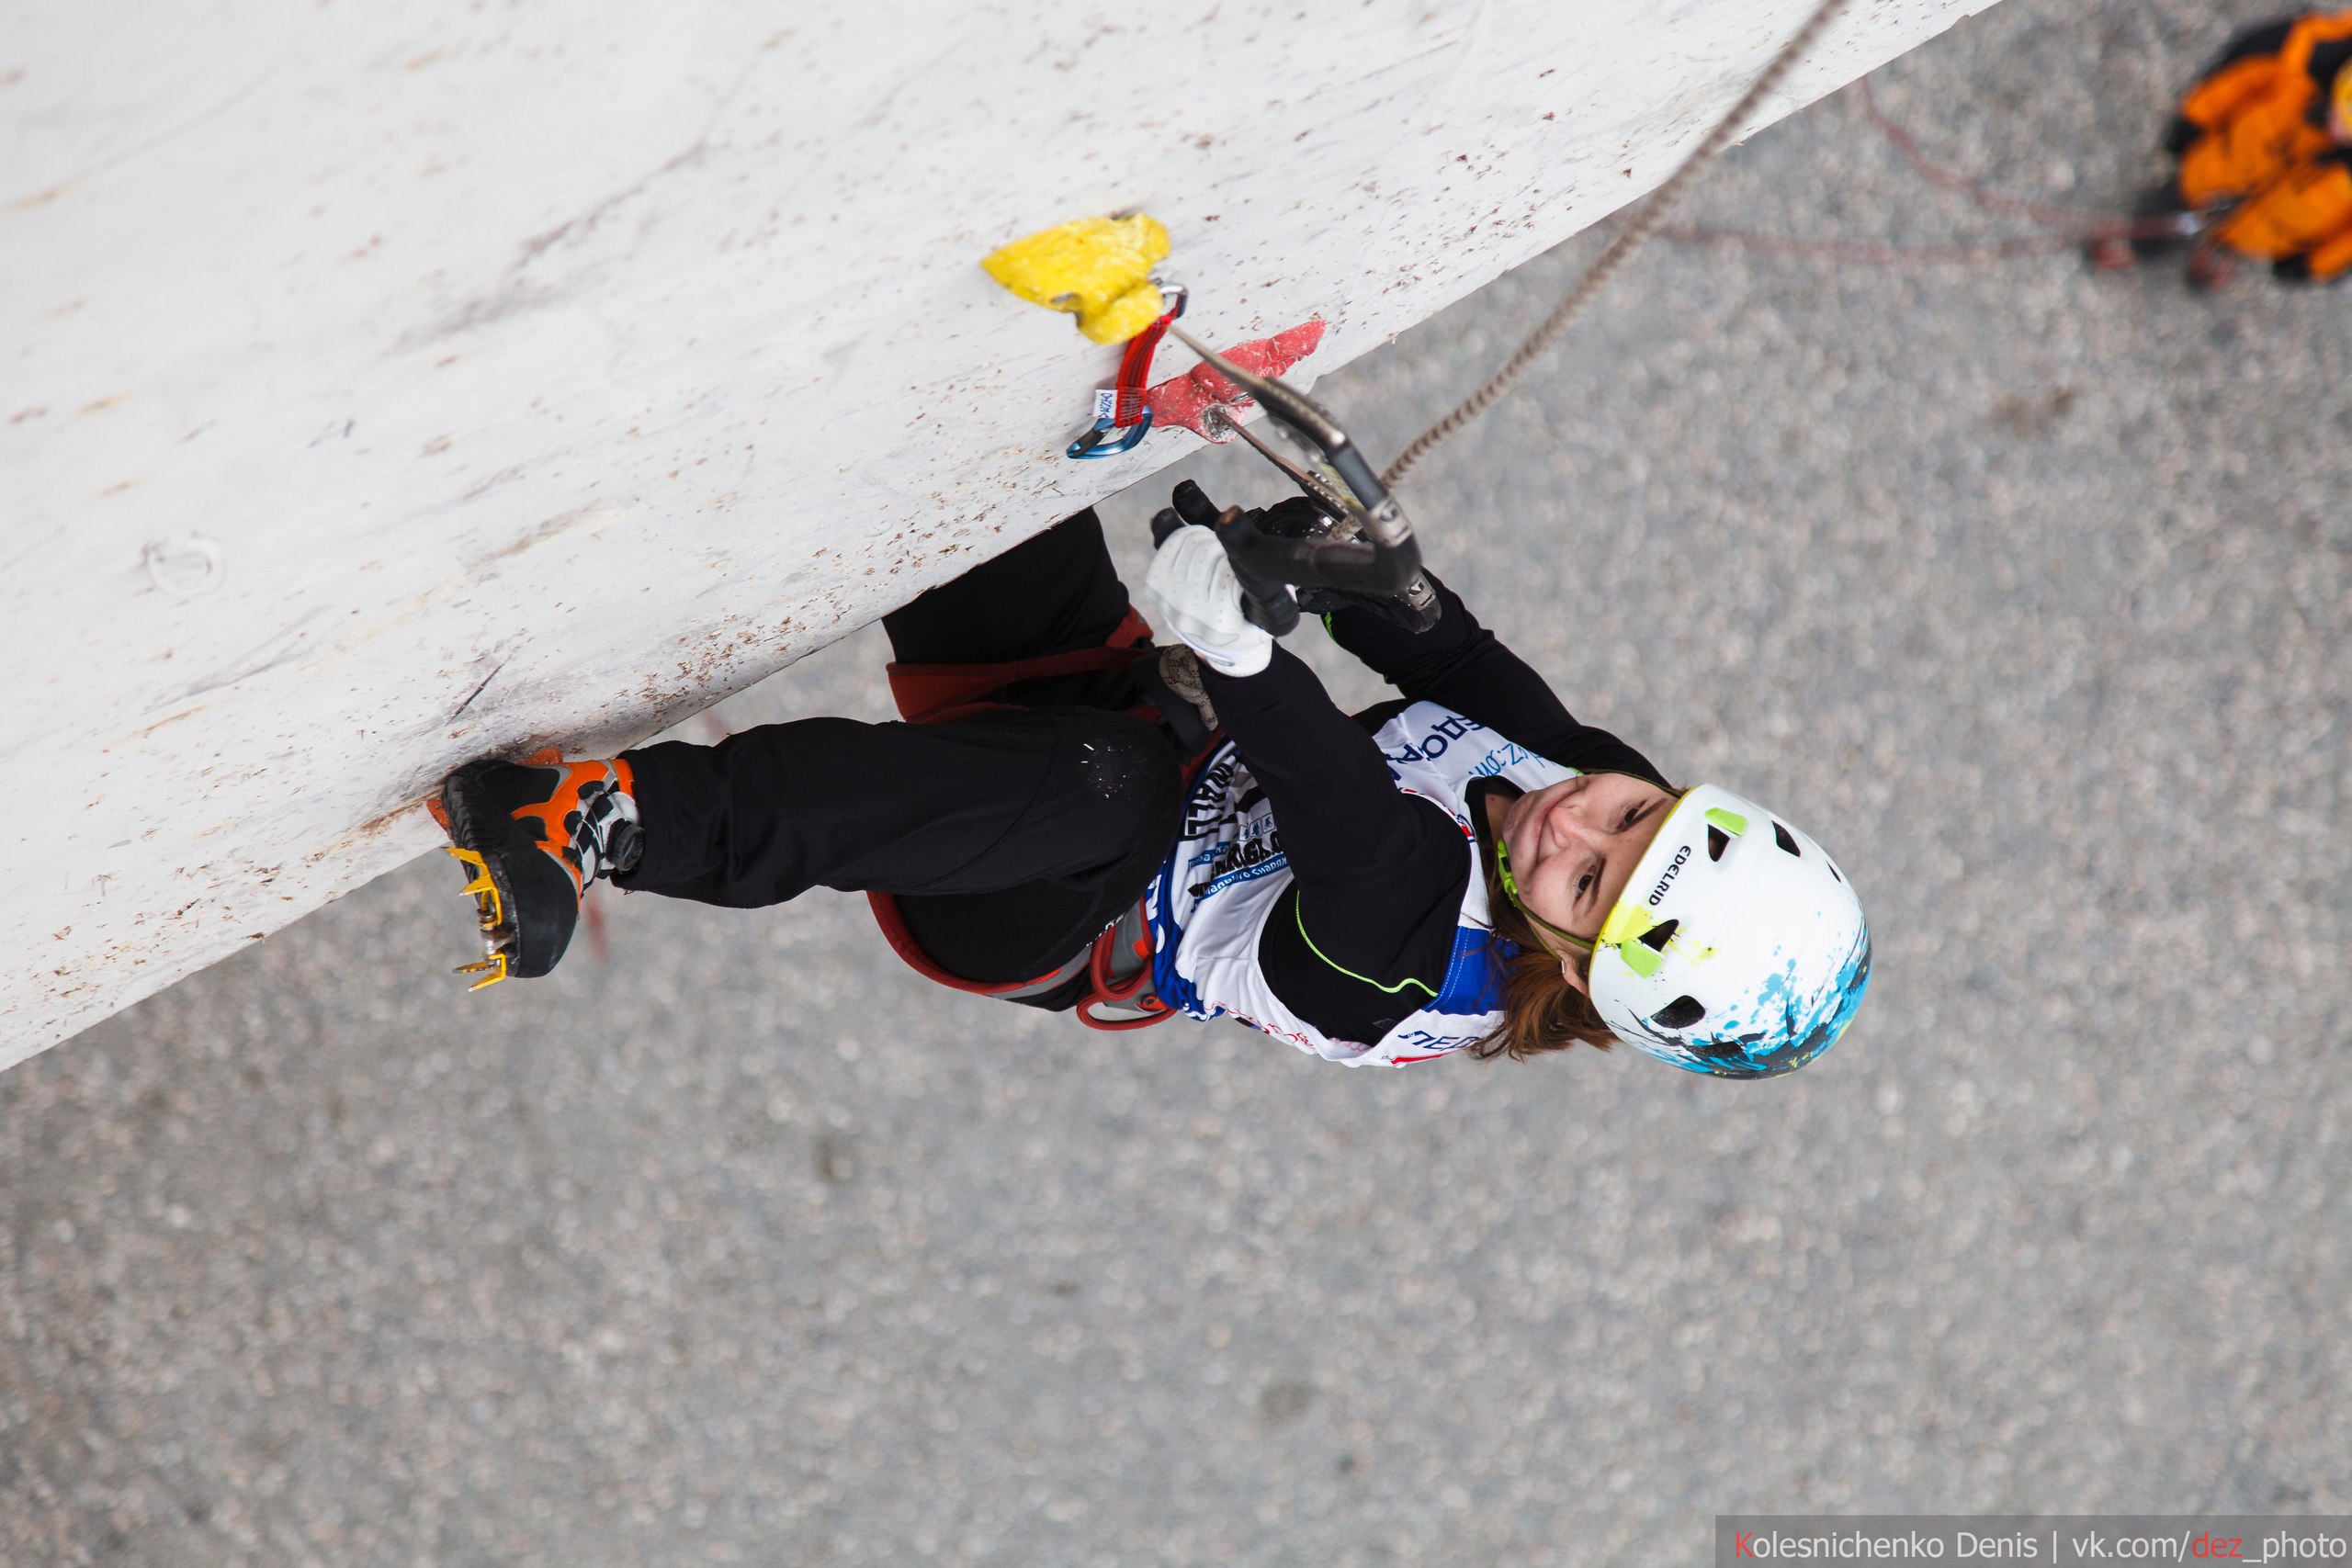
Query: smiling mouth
x,y
1536,850
1515,815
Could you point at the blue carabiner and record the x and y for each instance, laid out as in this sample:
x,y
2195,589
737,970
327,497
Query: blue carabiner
x,y
1095,440
1133,383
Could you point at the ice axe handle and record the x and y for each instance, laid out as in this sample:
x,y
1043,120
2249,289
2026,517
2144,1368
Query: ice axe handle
x,y
1268,602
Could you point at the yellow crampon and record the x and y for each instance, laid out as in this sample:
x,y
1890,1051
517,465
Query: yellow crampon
x,y
487,908
495,964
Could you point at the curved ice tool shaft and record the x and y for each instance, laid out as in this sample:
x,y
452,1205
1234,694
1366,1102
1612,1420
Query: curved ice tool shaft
x,y
1370,548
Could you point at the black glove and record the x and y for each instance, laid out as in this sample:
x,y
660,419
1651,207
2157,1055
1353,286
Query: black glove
x,y
1297,518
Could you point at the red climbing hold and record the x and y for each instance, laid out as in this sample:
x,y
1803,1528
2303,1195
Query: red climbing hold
x,y
1184,399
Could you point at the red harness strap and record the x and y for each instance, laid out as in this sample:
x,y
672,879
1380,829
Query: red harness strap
x,y
902,942
937,694
1136,991
934,694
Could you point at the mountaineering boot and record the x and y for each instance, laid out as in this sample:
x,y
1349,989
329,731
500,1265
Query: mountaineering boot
x,y
533,836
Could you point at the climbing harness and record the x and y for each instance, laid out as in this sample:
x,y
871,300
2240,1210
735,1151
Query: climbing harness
x,y
1121,406
1111,977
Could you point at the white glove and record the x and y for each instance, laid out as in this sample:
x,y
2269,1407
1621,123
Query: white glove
x,y
1195,587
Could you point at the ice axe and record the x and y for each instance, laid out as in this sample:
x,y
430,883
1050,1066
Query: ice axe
x,y
1363,550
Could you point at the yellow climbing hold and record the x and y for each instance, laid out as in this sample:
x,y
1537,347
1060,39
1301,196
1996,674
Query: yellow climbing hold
x,y
1099,269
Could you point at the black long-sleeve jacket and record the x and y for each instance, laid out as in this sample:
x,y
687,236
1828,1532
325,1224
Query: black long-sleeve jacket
x,y
1379,876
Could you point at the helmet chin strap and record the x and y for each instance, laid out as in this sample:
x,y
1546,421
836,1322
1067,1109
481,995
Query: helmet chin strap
x,y
1511,891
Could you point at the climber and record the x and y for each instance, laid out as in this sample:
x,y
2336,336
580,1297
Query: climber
x,y
1466,869
2264,142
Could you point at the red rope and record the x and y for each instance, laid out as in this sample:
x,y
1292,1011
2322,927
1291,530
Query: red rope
x,y
2045,213
1866,254
2071,227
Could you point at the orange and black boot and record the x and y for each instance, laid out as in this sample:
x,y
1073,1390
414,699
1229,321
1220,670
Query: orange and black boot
x,y
533,836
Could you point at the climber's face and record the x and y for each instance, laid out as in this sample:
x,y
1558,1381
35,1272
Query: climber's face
x,y
1574,844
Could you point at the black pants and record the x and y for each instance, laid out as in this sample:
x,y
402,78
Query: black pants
x,y
1010,837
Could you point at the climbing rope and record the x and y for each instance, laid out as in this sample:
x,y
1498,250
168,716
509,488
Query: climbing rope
x,y
1629,239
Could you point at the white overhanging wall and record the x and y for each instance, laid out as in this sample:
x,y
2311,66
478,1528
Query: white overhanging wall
x,y
388,386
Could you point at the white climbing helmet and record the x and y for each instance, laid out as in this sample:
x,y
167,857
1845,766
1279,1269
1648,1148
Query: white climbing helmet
x,y
1737,947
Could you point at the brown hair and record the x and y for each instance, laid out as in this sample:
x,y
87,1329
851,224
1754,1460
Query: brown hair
x,y
1540,1010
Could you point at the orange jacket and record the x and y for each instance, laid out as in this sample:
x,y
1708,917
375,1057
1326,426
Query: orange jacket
x,y
2300,222
2264,108
2253,137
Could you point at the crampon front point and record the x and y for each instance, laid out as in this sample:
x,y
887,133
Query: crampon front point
x,y
496,934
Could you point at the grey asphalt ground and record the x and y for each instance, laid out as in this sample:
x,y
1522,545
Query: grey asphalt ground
x,y
2026,590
